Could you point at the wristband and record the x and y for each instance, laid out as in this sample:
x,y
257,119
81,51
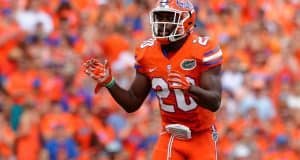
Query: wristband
x,y
111,83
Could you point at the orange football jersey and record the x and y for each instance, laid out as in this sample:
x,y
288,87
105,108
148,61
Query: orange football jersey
x,y
197,55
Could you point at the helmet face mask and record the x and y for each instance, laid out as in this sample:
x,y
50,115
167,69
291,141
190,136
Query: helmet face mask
x,y
169,23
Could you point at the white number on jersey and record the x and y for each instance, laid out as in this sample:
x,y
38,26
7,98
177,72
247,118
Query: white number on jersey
x,y
179,96
202,40
148,43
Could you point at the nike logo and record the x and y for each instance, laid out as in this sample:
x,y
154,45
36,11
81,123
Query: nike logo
x,y
152,69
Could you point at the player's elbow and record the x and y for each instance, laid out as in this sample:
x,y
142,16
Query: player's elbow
x,y
213,103
215,108
216,104
131,109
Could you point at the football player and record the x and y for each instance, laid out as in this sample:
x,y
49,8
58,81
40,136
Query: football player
x,y
184,71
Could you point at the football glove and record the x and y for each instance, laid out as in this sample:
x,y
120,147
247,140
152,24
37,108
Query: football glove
x,y
177,80
100,72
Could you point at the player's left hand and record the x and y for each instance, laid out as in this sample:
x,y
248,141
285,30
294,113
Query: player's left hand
x,y
177,80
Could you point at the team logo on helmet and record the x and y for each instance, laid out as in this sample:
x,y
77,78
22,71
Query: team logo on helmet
x,y
185,4
188,64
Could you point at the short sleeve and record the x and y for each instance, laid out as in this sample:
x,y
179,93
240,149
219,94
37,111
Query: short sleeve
x,y
211,55
139,55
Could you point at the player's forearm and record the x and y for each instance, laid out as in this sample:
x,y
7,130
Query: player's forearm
x,y
125,98
208,99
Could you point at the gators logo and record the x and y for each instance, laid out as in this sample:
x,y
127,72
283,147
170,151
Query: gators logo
x,y
185,4
188,64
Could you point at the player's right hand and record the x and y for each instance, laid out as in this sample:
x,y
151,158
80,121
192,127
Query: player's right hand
x,y
100,72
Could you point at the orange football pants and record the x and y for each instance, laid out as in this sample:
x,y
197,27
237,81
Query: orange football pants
x,y
202,146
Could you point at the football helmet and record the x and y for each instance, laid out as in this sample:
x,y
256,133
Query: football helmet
x,y
172,20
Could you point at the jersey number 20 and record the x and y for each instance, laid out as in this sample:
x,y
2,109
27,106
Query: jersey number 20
x,y
179,96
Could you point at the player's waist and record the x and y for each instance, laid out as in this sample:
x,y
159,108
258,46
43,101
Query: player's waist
x,y
197,117
196,125
183,132
201,130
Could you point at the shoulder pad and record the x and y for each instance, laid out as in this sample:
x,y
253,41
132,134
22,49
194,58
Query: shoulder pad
x,y
205,47
142,47
147,43
202,40
206,42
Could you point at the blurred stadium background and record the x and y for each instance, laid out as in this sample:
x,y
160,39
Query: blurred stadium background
x,y
49,111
